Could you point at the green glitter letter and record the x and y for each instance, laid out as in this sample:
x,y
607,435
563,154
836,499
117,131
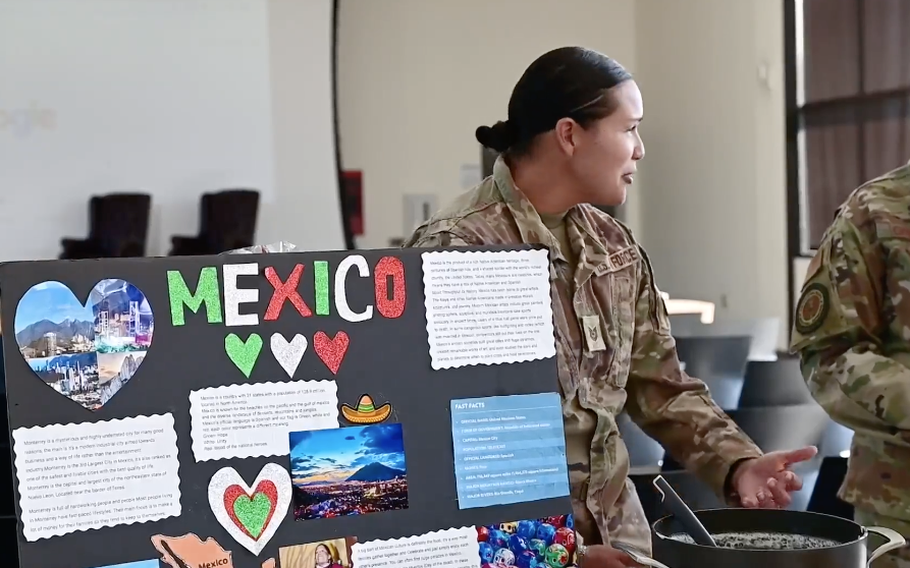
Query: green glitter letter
x,y
206,293
321,272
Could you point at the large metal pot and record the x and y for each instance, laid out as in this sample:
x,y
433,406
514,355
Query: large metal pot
x,y
768,538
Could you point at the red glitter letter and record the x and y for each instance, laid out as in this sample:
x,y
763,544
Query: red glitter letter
x,y
285,291
386,267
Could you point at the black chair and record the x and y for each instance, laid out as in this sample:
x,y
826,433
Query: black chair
x,y
687,324
88,247
774,383
824,495
763,331
836,440
692,490
118,227
644,451
783,427
718,361
227,221
710,357
786,428
776,428
650,502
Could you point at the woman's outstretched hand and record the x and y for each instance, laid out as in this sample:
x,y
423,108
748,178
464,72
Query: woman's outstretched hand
x,y
766,482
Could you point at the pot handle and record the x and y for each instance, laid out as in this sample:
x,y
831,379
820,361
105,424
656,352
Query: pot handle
x,y
894,538
638,556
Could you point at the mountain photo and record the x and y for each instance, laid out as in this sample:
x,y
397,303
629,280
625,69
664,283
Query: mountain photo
x,y
348,471
66,330
377,472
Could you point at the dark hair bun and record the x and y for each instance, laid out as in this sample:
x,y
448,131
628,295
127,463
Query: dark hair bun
x,y
500,137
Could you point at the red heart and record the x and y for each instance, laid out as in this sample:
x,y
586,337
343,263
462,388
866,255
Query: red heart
x,y
331,351
233,492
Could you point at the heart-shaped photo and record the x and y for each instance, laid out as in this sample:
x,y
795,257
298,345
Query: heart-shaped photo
x,y
86,352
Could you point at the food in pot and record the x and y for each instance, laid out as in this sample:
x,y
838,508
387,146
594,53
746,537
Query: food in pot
x,y
763,541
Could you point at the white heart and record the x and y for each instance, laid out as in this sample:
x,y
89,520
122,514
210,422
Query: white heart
x,y
288,354
228,476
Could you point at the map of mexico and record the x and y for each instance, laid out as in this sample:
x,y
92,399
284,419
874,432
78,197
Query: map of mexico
x,y
188,551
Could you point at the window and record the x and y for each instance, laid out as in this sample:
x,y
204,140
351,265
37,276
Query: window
x,y
848,90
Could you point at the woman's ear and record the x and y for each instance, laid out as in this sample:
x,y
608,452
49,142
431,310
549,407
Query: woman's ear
x,y
566,132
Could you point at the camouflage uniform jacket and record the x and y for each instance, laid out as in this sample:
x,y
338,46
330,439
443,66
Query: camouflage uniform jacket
x,y
852,331
614,352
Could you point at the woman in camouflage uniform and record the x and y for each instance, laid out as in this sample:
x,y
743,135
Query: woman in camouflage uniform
x,y
572,139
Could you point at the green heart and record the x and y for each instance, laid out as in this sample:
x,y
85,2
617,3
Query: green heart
x,y
243,354
252,513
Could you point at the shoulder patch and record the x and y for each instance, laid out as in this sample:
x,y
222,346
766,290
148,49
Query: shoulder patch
x,y
812,309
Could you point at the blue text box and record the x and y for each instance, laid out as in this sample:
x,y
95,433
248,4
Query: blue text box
x,y
509,449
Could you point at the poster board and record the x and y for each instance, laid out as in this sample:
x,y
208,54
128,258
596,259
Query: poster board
x,y
369,408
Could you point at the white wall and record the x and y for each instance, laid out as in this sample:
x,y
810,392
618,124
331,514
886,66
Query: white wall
x,y
714,199
171,97
417,77
306,210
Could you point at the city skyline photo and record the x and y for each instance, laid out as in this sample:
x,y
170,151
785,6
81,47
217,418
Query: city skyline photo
x,y
348,471
86,352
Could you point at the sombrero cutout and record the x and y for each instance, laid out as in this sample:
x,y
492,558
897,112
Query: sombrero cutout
x,y
366,412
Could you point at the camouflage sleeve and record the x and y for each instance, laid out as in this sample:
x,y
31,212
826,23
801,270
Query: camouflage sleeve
x,y
435,240
427,236
840,334
673,408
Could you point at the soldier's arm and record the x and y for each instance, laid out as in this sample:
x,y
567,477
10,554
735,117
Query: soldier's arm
x,y
673,408
839,330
